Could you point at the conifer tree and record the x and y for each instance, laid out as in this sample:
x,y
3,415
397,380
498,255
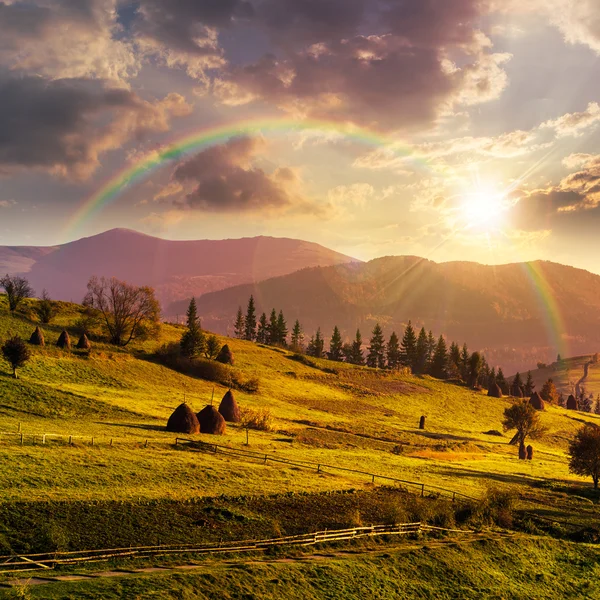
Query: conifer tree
x,y
250,322
357,357
393,351
297,337
464,362
318,344
549,392
475,363
272,329
430,347
282,330
440,358
501,381
408,347
335,345
420,366
517,381
376,349
347,352
492,377
239,326
192,342
262,332
529,385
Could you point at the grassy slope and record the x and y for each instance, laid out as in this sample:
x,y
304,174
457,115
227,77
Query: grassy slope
x,y
120,395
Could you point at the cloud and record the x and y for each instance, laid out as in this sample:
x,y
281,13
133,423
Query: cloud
x,y
7,203
225,179
575,124
579,21
65,39
352,196
63,126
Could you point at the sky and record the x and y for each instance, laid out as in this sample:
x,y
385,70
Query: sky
x,y
462,130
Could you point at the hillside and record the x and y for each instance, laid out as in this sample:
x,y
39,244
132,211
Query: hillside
x,y
497,309
176,269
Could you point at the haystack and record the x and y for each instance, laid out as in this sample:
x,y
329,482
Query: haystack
x,y
529,452
494,391
572,403
229,408
516,391
37,337
537,401
225,355
522,451
183,420
84,343
211,421
64,341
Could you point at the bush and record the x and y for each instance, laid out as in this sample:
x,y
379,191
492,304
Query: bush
x,y
259,419
495,508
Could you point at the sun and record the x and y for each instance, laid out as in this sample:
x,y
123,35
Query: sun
x,y
483,209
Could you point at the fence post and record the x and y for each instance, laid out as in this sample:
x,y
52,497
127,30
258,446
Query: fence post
x,y
266,459
146,444
44,439
21,438
422,490
70,440
110,442
373,479
19,428
453,496
92,440
318,468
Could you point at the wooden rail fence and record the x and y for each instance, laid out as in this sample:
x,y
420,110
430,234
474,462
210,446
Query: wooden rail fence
x,y
418,486
50,560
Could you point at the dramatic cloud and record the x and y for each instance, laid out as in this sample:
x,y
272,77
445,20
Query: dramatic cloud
x,y
226,180
65,39
62,126
579,21
574,124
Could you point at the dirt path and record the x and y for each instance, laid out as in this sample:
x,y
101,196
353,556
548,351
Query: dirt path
x,y
586,369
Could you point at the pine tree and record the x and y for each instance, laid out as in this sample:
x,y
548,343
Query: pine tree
x,y
376,349
272,331
347,352
475,364
393,351
484,374
454,361
192,342
212,347
517,381
239,326
282,331
492,378
501,381
408,347
297,337
250,323
430,347
420,365
319,344
440,358
262,333
335,345
464,363
549,392
529,385
357,353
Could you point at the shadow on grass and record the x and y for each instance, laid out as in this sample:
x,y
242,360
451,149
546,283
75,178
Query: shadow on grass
x,y
134,426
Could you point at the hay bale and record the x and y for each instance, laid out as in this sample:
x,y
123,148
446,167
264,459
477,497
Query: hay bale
x,y
84,343
37,338
225,355
530,452
211,421
537,401
229,408
183,420
422,423
494,391
522,451
516,391
572,403
64,341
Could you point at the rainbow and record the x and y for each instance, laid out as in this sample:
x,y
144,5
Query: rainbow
x,y
554,322
174,150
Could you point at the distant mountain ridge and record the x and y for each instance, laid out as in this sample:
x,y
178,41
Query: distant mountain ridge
x,y
496,309
176,269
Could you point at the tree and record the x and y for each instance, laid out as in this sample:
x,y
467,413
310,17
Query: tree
x,y
17,289
393,351
523,417
517,381
316,346
213,347
376,349
128,311
192,342
529,387
16,353
440,359
297,337
250,323
272,330
491,378
239,327
45,309
408,347
475,364
335,345
584,452
501,381
356,355
262,333
282,331
430,347
549,392
454,361
422,352
464,363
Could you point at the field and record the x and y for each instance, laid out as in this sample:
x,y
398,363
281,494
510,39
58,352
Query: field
x,y
122,464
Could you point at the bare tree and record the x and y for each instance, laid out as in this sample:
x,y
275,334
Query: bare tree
x,y
17,289
126,309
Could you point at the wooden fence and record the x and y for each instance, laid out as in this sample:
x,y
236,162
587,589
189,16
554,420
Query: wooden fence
x,y
50,560
263,458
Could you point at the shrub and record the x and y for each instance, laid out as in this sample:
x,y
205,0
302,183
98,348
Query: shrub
x,y
258,419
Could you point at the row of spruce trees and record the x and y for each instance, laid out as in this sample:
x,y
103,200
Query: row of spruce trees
x,y
420,352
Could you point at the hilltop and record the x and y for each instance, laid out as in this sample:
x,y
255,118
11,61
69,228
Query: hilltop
x,y
499,310
176,269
